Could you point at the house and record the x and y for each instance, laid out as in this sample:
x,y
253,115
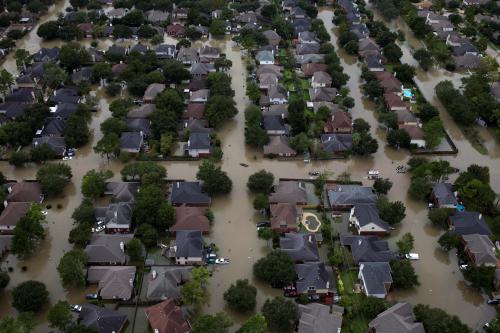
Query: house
x,y
406,117
142,112
322,94
52,127
389,82
188,193
191,218
86,29
398,318
300,247
318,318
95,55
117,13
66,95
275,125
336,142
288,5
117,51
187,248
139,48
63,110
442,196
321,80
102,320
265,57
307,37
117,217
495,91
5,244
309,59
314,278
187,55
480,249
194,126
467,223
13,110
267,80
338,122
277,110
367,46
122,191
82,75
279,146
202,69
198,145
176,30
209,53
152,91
165,51
272,37
157,16
374,62
56,144
469,61
360,30
114,282
131,142
298,12
308,70
117,69
246,17
181,14
394,102
465,47
22,95
108,249
367,248
285,217
277,95
45,55
416,133
367,221
12,213
139,125
166,317
25,191
166,282
272,69
375,278
291,191
344,197
307,48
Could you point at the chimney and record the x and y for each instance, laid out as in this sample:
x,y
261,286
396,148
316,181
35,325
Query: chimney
x,y
122,246
154,274
480,216
131,282
359,242
178,184
310,238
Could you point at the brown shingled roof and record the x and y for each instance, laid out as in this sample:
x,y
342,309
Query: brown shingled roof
x,y
190,218
166,317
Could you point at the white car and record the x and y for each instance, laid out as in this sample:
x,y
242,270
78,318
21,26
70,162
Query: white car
x,y
222,261
412,256
99,228
76,308
44,212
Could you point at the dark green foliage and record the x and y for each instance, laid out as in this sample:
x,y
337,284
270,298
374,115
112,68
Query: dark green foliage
x,y
151,207
448,241
218,323
403,274
136,170
261,182
382,185
134,250
439,217
241,296
391,212
215,181
280,314
455,103
255,135
399,138
438,321
220,109
28,233
71,268
30,296
53,178
276,268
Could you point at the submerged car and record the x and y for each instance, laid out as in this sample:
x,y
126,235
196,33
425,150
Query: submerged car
x,y
412,256
222,261
76,308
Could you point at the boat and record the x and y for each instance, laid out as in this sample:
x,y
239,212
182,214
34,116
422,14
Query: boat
x,y
373,174
244,165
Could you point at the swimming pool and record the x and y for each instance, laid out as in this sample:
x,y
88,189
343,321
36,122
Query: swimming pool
x,y
407,93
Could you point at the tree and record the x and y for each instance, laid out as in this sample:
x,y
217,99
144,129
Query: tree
x,y
363,144
382,185
175,72
255,135
391,212
30,296
22,323
60,316
4,280
219,84
71,268
404,73
439,217
399,138
23,58
148,235
94,183
48,30
477,196
137,170
73,56
241,296
276,268
109,145
403,274
438,321
6,81
101,70
218,323
53,178
296,116
29,232
193,292
54,75
217,28
113,125
420,187
352,47
392,52
80,235
79,3
405,244
427,112
280,314
152,208
261,182
448,241
220,109
373,89
215,181
481,277
42,153
261,201
134,250
433,132
424,59
255,324
300,143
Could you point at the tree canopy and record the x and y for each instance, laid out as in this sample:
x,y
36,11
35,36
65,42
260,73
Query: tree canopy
x,y
215,181
29,232
94,183
436,320
30,296
218,323
276,268
241,296
261,182
71,268
53,178
280,314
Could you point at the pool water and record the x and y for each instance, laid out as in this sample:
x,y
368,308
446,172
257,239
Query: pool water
x,y
407,93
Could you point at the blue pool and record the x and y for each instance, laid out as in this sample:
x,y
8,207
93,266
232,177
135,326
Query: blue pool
x,y
407,93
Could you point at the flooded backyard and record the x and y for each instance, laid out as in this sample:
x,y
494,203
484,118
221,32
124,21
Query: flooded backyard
x,y
234,229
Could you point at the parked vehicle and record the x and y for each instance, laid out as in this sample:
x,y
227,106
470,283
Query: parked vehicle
x,y
76,308
92,296
263,224
244,165
314,173
99,228
412,256
493,301
222,261
373,174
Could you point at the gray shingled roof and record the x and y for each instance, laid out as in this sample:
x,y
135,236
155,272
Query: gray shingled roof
x,y
368,213
289,191
115,282
189,243
167,283
375,274
316,318
106,248
466,223
102,320
56,143
300,247
336,142
350,195
122,191
314,274
444,194
367,248
397,319
482,248
188,193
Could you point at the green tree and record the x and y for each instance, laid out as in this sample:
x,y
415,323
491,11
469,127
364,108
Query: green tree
x,y
420,188
296,116
392,52
404,73
219,84
71,268
22,323
73,56
137,170
194,291
48,30
281,314
23,58
4,280
438,321
391,212
427,112
220,109
215,181
241,296
439,217
53,178
433,132
217,28
481,277
382,185
424,59
260,202
300,143
167,143
175,72
101,70
6,81
80,235
151,207
108,146
30,296
29,232
448,241
255,324
134,250
399,138
84,213
148,235
94,183
60,316
113,125
403,274
54,75
405,244
42,153
276,268
261,182
218,323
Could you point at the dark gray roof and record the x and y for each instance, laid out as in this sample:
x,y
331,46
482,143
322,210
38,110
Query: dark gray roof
x,y
368,213
167,283
367,248
117,50
122,191
468,61
56,143
199,140
374,61
188,193
139,125
375,274
45,54
102,320
336,142
307,48
322,94
107,248
274,123
300,247
131,140
115,282
463,48
116,215
64,110
314,274
189,243
84,74
350,195
13,110
202,68
66,95
54,126
289,192
21,95
139,48
316,318
482,248
397,319
444,193
466,223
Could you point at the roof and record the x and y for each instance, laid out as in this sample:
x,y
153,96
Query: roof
x,y
197,83
336,142
153,89
274,123
309,69
53,126
277,110
276,92
166,317
167,282
191,218
189,193
314,274
201,94
117,50
139,125
399,318
143,111
289,192
45,53
202,68
102,320
56,143
415,132
443,193
13,212
284,215
392,100
268,79
350,195
367,214
209,51
272,37
84,74
25,192
199,141
322,77
316,318
338,120
405,116
13,110
114,281
64,110
269,68
194,110
307,36
189,243
367,248
468,61
481,247
322,94
195,126
279,145
21,95
131,140
122,191
466,223
116,215
367,44
307,48
107,248
157,15
264,56
300,247
375,275
187,54
388,81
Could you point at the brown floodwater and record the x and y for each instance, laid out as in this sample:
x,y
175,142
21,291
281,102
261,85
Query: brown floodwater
x,y
234,228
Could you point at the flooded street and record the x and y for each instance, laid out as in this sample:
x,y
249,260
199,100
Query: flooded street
x,y
234,229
